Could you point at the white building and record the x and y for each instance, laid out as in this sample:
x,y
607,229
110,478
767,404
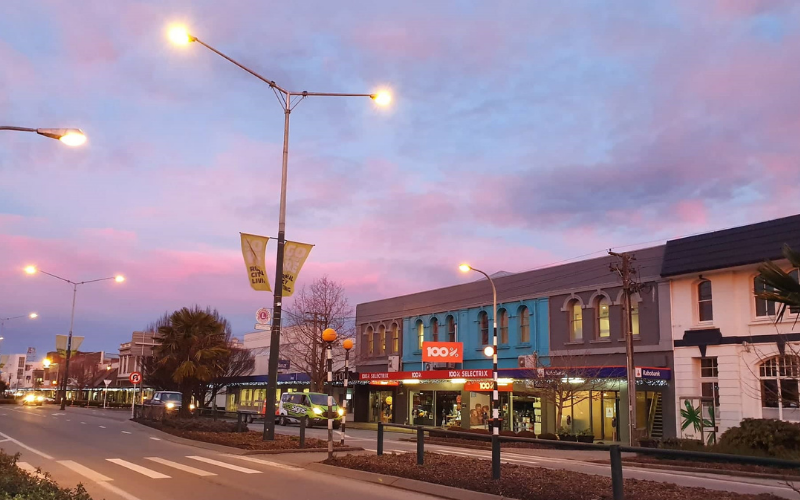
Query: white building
x,y
731,360
14,371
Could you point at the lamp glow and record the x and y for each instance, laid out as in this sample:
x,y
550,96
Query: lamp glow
x,y
30,269
73,138
382,98
119,278
488,351
33,315
179,35
464,268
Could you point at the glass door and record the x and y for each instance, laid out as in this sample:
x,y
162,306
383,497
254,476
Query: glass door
x,y
610,421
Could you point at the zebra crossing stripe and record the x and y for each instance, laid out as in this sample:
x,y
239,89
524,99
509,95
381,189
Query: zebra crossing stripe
x,y
264,462
176,465
138,468
224,465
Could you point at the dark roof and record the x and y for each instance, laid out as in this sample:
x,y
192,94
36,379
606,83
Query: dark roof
x,y
739,246
545,282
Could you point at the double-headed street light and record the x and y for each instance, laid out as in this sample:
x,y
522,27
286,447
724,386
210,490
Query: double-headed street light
x,y
491,351
69,136
32,315
288,100
33,270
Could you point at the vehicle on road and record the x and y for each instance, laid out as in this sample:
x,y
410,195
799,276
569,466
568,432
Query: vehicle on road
x,y
171,401
314,405
33,399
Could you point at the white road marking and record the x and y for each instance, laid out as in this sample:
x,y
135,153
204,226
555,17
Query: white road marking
x,y
155,439
264,462
32,450
373,451
102,426
184,468
224,465
84,471
3,441
138,468
125,432
4,414
68,420
117,491
30,469
84,423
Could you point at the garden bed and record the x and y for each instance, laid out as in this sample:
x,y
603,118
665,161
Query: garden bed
x,y
704,466
219,432
523,483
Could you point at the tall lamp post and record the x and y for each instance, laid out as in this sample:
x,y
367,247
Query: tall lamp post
x,y
492,351
33,270
329,337
32,315
347,344
69,136
288,100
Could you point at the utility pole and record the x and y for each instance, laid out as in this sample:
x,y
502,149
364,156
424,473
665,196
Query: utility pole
x,y
629,286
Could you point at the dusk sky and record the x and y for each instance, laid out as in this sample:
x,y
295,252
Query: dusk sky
x,y
522,133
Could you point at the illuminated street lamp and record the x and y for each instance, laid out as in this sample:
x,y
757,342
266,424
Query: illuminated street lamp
x,y
32,315
288,100
69,136
491,351
347,344
329,336
33,270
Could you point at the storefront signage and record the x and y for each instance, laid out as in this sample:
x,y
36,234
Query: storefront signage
x,y
443,352
384,383
585,372
481,386
427,375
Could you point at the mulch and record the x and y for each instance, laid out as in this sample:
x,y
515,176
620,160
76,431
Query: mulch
x,y
524,483
697,464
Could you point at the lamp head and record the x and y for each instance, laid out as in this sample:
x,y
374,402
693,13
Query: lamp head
x,y
46,363
382,98
488,351
119,278
33,315
31,269
464,268
329,335
347,344
69,136
179,35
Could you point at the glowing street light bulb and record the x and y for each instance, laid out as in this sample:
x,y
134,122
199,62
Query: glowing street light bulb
x,y
33,315
46,363
488,351
179,35
464,268
119,278
73,138
30,269
382,98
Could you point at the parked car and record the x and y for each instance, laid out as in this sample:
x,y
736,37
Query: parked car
x,y
172,401
33,399
314,405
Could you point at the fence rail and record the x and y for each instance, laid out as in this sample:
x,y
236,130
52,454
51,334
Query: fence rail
x,y
615,452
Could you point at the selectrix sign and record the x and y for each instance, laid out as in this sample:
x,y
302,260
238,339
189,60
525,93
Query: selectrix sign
x,y
427,375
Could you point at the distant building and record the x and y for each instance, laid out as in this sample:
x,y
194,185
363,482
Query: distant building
x,y
132,355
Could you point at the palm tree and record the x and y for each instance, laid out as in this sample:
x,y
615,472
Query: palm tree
x,y
781,287
193,341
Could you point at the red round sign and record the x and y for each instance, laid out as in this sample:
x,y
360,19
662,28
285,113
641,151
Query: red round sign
x,y
135,378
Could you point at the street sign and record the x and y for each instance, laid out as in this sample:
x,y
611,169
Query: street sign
x,y
284,364
135,378
263,316
107,381
259,326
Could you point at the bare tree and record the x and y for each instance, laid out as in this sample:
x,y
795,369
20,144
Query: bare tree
x,y
83,370
319,306
237,363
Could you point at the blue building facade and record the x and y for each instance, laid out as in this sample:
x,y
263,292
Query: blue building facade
x,y
522,330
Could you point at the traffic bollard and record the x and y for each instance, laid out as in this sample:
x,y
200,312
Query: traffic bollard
x,y
420,445
616,473
380,438
495,457
303,431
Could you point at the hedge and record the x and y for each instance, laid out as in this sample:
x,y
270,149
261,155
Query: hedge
x,y
19,485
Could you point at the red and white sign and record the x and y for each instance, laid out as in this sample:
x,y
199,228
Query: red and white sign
x,y
263,316
483,386
444,352
427,375
135,378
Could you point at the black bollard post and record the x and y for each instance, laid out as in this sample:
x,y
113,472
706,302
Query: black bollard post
x,y
616,473
303,431
380,438
420,445
495,457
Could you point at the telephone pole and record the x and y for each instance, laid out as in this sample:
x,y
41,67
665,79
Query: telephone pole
x,y
629,287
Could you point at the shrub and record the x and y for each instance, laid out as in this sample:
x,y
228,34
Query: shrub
x,y
681,444
8,401
768,436
18,484
201,425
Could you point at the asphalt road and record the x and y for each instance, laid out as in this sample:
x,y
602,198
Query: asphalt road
x,y
119,460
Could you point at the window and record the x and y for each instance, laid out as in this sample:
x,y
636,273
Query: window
x,y
420,334
708,368
451,329
382,339
483,323
395,338
602,322
370,341
635,314
779,387
502,325
704,302
21,363
435,330
524,325
575,321
765,307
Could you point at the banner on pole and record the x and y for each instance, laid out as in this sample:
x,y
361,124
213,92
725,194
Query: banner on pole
x,y
61,344
31,356
253,248
294,256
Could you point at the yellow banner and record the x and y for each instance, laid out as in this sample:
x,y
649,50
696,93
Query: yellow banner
x,y
294,256
253,248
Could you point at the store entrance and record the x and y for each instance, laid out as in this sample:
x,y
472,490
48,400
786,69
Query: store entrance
x,y
610,408
527,413
380,407
448,408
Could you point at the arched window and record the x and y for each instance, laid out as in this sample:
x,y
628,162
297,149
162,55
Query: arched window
x,y
370,341
602,315
382,339
705,309
395,338
524,325
764,307
575,321
502,326
635,299
435,329
451,329
483,324
420,334
779,377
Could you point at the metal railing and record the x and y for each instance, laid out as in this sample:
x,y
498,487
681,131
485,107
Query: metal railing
x,y
615,452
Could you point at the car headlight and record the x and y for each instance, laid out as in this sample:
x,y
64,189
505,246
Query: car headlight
x,y
317,411
40,398
192,406
170,406
341,411
29,397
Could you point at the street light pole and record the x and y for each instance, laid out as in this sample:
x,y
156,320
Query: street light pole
x,y
347,344
180,36
69,136
495,390
33,270
329,337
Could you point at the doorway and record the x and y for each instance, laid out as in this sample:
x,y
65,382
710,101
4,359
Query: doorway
x,y
610,409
